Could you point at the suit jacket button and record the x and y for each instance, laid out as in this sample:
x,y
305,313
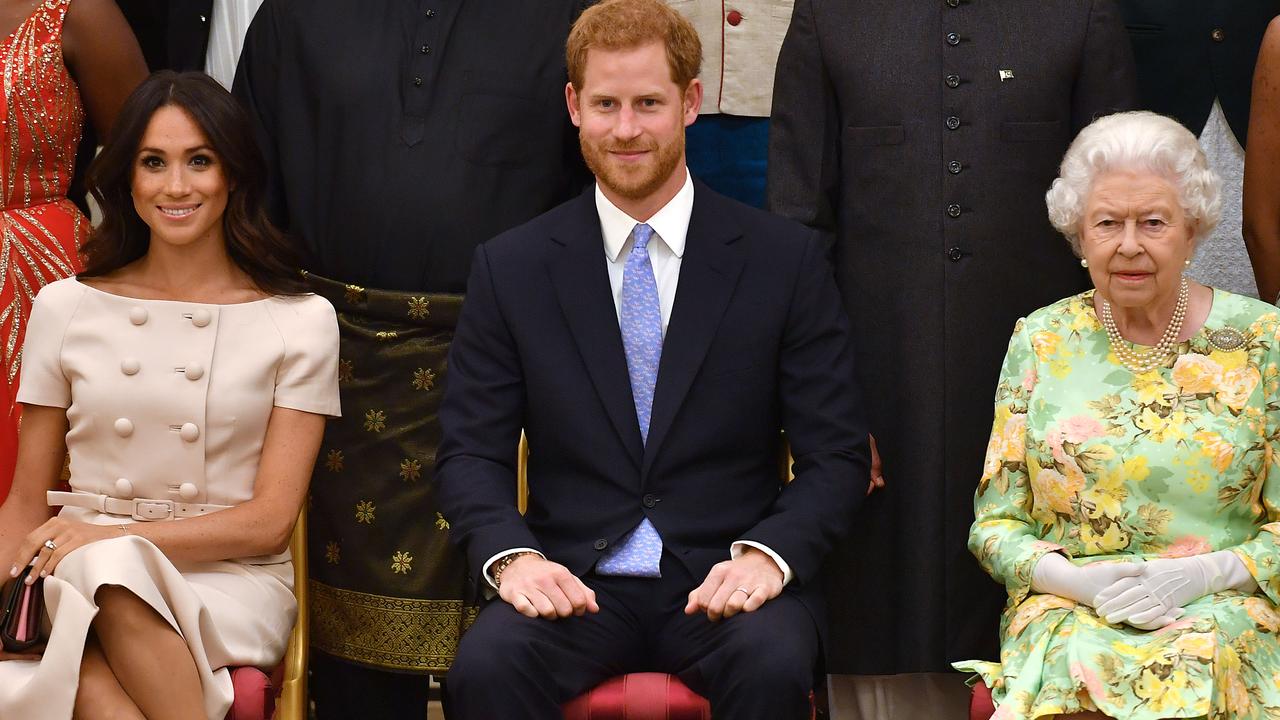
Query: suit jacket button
x,y
600,544
953,39
124,489
130,366
201,317
955,254
953,210
650,500
733,18
953,3
123,427
953,81
953,122
189,432
137,315
1218,35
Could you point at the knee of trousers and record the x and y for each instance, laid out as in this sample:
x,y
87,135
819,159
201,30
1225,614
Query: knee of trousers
x,y
770,662
486,657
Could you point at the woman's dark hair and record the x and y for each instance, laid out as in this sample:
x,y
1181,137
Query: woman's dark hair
x,y
253,243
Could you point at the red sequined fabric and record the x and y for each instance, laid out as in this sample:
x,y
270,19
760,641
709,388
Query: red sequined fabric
x,y
40,230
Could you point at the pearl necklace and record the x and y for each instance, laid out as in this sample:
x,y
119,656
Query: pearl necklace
x,y
1147,360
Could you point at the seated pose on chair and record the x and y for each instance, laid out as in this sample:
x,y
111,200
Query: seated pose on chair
x,y
1131,492
188,378
652,338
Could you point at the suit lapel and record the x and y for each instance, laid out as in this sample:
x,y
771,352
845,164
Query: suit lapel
x,y
581,283
708,274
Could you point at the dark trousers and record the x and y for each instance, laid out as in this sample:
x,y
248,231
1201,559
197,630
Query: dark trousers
x,y
344,691
753,665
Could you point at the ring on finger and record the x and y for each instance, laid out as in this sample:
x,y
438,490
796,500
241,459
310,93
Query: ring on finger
x,y
743,590
51,544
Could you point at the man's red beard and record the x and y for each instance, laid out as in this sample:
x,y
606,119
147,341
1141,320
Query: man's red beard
x,y
633,182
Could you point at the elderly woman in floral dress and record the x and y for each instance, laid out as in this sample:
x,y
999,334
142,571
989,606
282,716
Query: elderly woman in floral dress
x,y
1130,500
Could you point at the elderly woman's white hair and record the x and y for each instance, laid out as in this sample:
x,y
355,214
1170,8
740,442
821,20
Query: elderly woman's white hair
x,y
1135,141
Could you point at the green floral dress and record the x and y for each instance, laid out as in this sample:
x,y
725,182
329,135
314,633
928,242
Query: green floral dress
x,y
1090,459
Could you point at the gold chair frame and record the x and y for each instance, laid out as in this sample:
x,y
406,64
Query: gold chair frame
x,y
292,702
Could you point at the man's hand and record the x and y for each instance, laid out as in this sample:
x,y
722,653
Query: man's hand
x,y
877,472
537,587
734,586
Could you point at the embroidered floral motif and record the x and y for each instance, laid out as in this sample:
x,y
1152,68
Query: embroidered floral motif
x,y
333,461
423,379
401,562
419,308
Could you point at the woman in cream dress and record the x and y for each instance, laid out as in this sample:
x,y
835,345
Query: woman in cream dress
x,y
189,379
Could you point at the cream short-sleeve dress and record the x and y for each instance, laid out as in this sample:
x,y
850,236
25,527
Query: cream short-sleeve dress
x,y
167,404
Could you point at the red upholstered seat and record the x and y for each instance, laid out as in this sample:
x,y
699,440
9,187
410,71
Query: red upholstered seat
x,y
646,696
255,694
981,707
639,696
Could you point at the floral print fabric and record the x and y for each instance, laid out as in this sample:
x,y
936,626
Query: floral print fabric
x,y
1091,460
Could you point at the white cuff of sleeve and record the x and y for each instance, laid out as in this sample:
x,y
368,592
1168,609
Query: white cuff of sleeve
x,y
736,550
488,564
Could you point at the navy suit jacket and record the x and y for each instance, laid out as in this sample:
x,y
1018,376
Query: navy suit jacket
x,y
757,343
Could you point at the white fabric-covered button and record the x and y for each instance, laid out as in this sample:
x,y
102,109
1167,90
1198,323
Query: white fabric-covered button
x,y
130,366
201,317
189,432
137,315
189,491
194,371
124,427
124,489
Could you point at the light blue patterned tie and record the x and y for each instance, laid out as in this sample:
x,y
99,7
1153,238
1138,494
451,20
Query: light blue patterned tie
x,y
639,552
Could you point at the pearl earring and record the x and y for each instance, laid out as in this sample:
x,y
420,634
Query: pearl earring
x,y
1084,263
1187,262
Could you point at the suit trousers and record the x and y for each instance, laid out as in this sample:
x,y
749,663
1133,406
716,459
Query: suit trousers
x,y
752,665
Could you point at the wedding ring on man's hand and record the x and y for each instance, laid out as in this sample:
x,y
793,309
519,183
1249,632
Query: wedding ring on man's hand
x,y
50,544
743,590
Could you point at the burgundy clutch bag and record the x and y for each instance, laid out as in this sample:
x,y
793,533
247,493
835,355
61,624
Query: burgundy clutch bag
x,y
21,612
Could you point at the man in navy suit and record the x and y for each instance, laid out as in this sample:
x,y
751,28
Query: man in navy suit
x,y
653,339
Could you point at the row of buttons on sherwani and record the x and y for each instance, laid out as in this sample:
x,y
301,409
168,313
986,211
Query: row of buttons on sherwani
x,y
952,122
188,432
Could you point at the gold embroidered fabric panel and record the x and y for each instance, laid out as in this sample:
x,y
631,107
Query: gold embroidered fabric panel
x,y
388,586
40,230
388,632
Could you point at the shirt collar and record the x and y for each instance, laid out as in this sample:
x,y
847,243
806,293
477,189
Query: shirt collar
x,y
671,223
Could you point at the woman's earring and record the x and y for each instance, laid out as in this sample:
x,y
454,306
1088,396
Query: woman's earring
x,y
1084,263
1186,263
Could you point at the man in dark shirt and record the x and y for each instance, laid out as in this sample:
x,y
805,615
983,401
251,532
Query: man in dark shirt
x,y
400,135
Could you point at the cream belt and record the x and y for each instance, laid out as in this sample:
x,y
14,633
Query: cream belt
x,y
142,509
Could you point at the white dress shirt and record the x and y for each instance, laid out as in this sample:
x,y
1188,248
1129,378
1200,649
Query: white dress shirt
x,y
666,248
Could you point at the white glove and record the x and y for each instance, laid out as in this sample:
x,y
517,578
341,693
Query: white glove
x,y
1056,575
1156,597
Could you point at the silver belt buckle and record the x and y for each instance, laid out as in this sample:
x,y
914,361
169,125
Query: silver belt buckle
x,y
146,510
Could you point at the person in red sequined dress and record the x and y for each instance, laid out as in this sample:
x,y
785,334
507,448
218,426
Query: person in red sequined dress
x,y
60,59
